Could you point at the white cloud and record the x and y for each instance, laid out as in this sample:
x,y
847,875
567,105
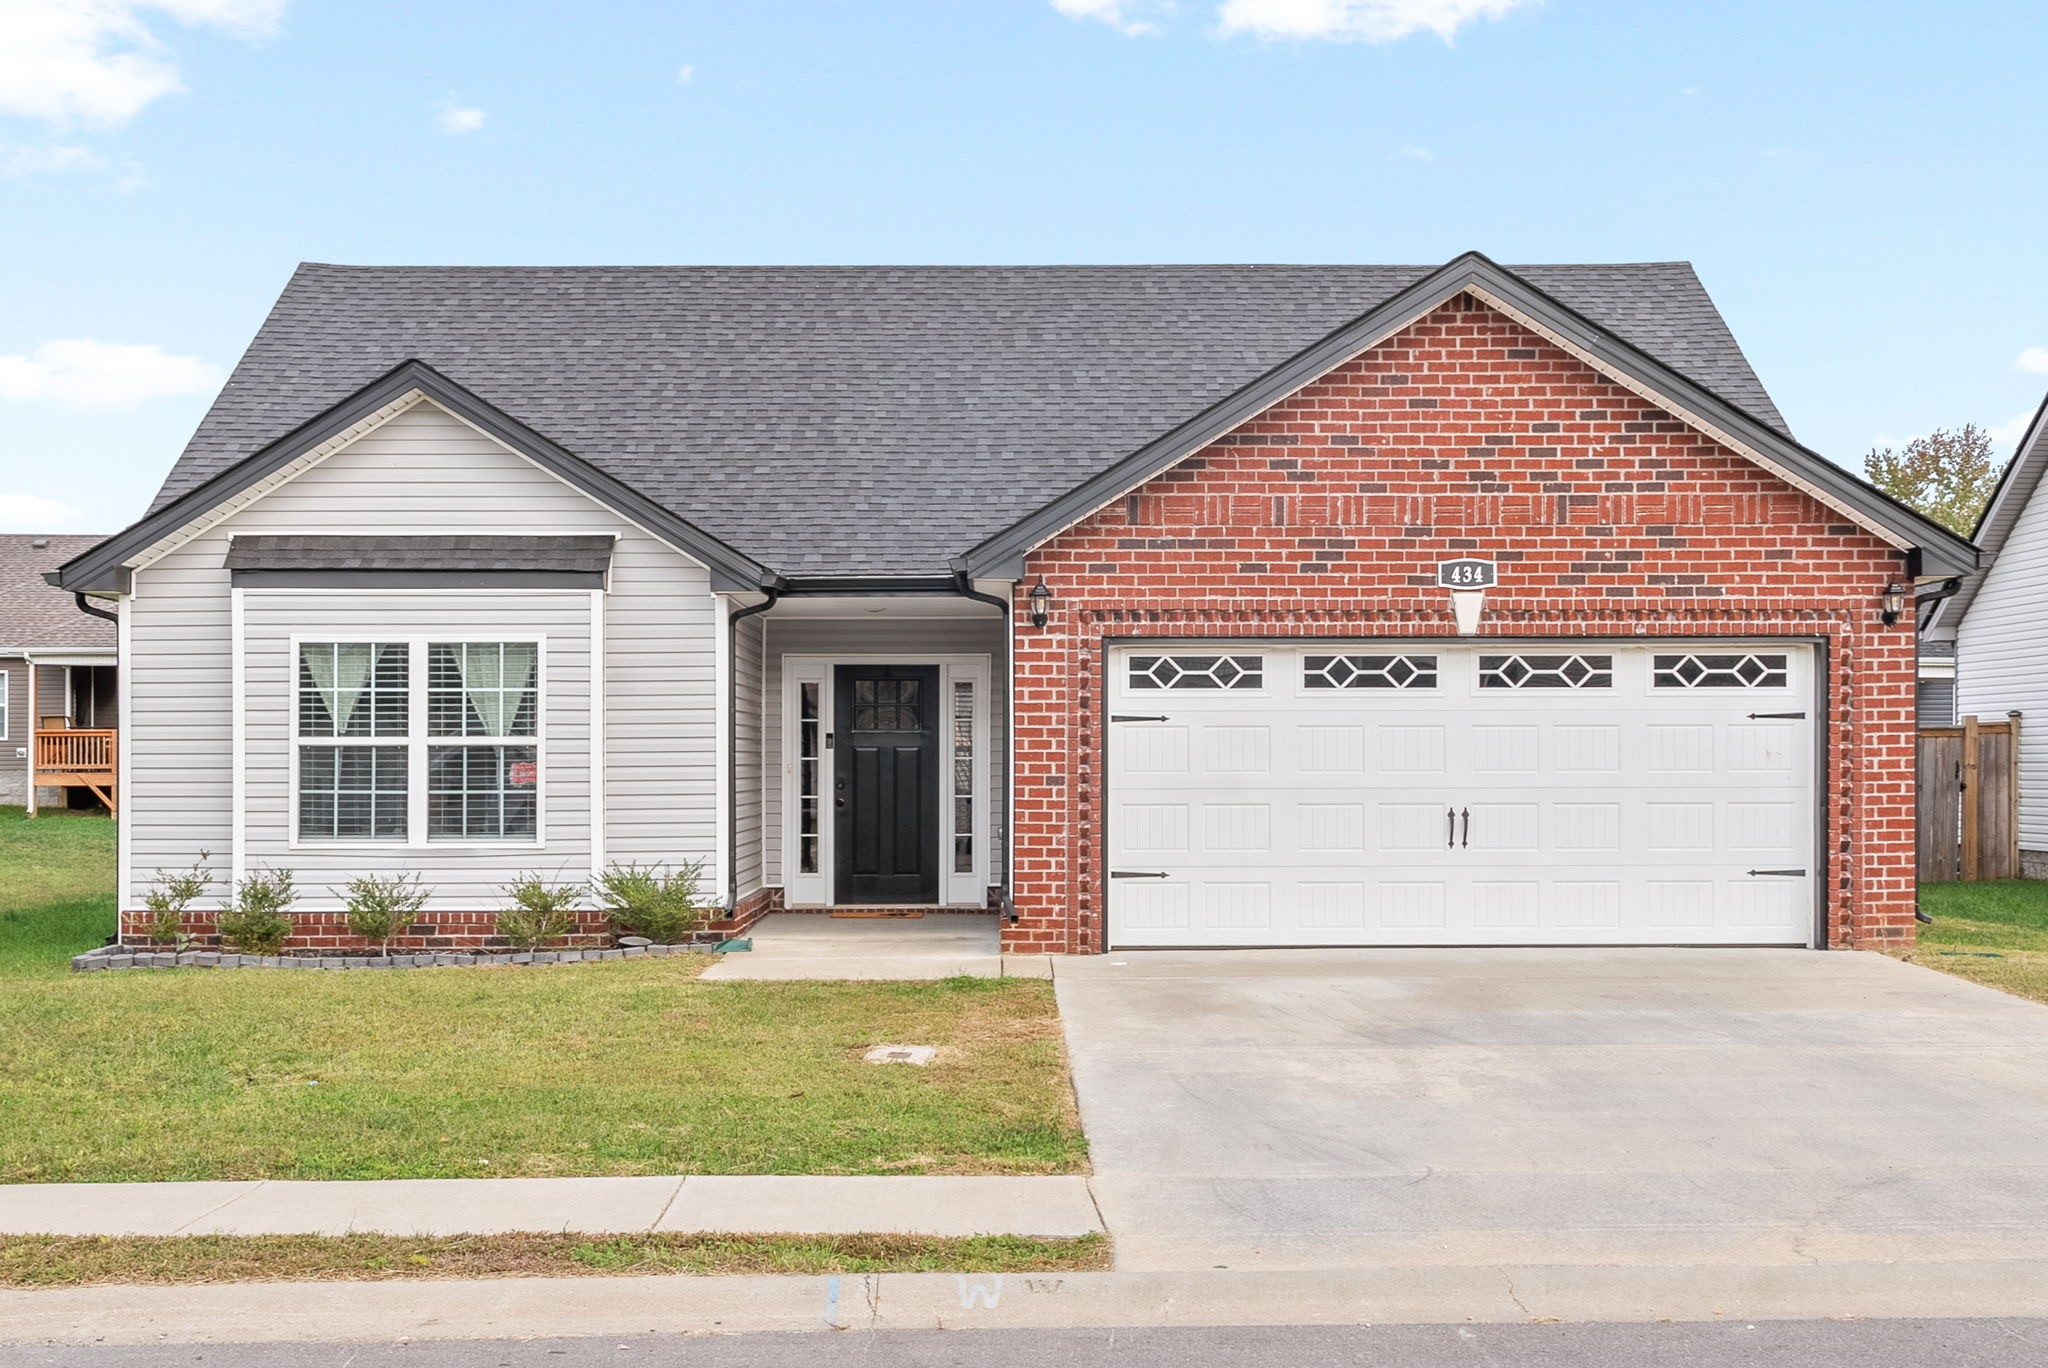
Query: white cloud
x,y
19,160
32,513
685,74
455,118
1121,15
80,372
1414,153
1371,21
2007,434
2034,361
99,62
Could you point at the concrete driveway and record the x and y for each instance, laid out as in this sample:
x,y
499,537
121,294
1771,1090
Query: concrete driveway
x,y
1360,1109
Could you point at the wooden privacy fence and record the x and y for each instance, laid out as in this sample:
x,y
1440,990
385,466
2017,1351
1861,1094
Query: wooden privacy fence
x,y
1970,801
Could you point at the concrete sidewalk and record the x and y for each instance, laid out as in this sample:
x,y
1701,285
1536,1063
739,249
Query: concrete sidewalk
x,y
1052,1207
527,1308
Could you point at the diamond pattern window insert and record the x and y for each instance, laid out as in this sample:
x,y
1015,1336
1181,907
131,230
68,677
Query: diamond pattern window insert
x,y
888,705
1198,672
1369,671
1720,670
1546,672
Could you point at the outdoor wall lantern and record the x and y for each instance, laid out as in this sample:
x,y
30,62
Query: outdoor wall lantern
x,y
1894,602
1041,602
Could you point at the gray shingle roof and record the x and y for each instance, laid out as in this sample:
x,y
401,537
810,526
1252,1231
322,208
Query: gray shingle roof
x,y
32,613
567,555
861,420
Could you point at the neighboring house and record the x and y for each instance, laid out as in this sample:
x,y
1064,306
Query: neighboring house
x,y
1106,596
1994,630
59,685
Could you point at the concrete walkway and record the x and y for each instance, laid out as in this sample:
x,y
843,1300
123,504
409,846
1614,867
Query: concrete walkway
x,y
813,945
1053,1207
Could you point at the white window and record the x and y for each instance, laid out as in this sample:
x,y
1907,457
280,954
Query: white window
x,y
411,741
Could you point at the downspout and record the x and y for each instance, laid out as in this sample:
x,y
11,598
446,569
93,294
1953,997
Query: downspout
x,y
772,586
965,588
85,606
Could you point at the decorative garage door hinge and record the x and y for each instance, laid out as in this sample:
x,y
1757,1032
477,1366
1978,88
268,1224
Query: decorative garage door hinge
x,y
1130,717
1786,717
1777,873
1137,873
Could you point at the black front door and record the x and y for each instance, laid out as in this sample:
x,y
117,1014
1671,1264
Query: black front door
x,y
885,784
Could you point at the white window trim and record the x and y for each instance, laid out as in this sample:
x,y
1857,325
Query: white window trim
x,y
416,741
6,712
955,890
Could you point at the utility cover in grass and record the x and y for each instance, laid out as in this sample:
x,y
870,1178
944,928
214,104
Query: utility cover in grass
x,y
919,1055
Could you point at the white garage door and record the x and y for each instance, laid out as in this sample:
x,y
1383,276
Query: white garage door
x,y
1469,794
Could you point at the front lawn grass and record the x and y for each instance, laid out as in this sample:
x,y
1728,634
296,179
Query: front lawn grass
x,y
1994,933
84,1261
625,1067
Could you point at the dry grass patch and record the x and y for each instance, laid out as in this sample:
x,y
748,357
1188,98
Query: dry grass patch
x,y
84,1261
1994,933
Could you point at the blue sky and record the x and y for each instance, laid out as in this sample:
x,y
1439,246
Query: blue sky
x,y
1857,183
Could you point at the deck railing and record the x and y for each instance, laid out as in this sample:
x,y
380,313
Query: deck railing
x,y
78,757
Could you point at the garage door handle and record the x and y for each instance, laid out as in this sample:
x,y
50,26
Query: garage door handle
x,y
1137,873
1777,873
1451,832
1466,839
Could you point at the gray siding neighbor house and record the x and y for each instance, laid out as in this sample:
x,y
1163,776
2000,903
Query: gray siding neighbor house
x,y
1995,630
59,681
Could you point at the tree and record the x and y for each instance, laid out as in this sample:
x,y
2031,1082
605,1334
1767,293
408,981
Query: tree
x,y
1947,475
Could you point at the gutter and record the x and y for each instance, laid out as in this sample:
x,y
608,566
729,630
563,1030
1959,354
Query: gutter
x,y
965,588
773,586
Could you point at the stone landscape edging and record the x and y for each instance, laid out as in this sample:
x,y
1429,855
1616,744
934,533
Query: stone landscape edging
x,y
128,957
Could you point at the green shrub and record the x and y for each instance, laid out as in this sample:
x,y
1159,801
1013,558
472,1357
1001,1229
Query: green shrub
x,y
167,899
382,906
652,900
540,911
259,922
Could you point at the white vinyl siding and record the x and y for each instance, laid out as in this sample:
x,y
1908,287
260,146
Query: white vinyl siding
x,y
913,639
424,473
1999,658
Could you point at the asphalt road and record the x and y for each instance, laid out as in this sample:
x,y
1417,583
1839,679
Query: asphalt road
x,y
1761,1344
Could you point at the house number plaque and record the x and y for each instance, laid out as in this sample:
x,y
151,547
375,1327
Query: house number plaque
x,y
1465,574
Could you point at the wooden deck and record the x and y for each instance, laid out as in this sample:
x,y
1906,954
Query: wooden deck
x,y
79,757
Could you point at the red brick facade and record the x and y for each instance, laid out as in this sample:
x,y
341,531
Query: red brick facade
x,y
1465,433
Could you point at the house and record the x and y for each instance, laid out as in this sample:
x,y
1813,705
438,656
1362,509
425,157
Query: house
x,y
59,681
1150,606
1991,631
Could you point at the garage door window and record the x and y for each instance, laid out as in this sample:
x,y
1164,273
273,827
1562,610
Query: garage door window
x,y
1198,672
1368,671
1546,672
1734,670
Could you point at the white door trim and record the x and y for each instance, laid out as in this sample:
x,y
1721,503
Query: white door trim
x,y
963,889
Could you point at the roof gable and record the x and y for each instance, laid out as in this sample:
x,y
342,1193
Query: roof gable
x,y
104,568
875,421
2016,485
1001,556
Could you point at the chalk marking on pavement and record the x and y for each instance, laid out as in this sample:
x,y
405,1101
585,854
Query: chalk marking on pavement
x,y
984,1294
